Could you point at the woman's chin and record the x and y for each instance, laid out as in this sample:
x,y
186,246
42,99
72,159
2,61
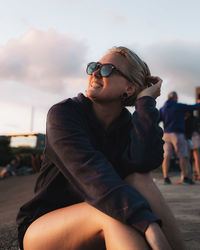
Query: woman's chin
x,y
91,93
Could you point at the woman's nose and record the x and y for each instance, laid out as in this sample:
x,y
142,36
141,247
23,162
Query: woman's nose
x,y
96,73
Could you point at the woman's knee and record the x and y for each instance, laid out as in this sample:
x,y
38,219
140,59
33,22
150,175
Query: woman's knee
x,y
78,227
71,226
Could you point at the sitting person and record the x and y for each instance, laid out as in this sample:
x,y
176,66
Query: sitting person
x,y
95,190
9,170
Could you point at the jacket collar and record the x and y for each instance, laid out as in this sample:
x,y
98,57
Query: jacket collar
x,y
86,107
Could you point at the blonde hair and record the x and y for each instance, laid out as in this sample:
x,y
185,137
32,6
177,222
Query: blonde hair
x,y
137,71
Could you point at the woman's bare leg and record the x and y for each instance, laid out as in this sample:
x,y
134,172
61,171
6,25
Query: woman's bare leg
x,y
145,185
81,227
119,236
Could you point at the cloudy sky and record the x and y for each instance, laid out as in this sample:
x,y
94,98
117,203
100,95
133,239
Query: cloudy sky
x,y
45,46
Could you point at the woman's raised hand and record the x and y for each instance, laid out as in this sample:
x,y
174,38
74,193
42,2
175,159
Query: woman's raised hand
x,y
153,90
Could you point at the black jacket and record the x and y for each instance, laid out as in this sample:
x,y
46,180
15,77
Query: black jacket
x,y
83,162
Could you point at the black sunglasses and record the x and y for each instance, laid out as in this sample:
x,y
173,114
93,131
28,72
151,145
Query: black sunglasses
x,y
105,70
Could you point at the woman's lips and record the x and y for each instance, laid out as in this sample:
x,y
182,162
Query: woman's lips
x,y
96,85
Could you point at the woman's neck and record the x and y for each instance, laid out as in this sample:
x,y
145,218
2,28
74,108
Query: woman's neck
x,y
106,113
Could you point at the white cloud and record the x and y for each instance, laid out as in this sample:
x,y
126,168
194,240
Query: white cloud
x,y
43,59
178,63
117,17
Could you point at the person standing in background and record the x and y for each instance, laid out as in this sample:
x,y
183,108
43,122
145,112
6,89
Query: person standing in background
x,y
192,133
172,116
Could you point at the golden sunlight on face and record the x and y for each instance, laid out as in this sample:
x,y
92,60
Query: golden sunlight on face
x,y
111,87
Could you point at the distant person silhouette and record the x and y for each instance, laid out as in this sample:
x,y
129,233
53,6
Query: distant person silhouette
x,y
172,115
192,132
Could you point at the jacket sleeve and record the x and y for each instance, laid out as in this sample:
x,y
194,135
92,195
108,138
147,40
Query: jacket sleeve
x,y
145,150
160,119
69,147
187,107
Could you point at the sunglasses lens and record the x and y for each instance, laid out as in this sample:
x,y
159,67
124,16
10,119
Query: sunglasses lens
x,y
106,70
91,68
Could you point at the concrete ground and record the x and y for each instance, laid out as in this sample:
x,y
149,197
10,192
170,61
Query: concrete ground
x,y
183,200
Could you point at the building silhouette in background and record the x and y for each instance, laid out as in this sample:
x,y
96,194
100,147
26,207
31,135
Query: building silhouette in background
x,y
32,140
27,147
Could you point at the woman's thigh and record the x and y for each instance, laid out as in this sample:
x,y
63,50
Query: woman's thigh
x,y
81,227
145,185
74,227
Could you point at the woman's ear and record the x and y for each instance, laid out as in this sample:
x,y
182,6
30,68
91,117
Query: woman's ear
x,y
131,89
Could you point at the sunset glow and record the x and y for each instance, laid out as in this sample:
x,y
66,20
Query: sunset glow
x,y
45,46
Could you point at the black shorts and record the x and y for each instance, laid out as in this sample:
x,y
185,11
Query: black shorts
x,y
21,232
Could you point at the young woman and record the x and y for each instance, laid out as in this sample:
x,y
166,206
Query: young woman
x,y
95,190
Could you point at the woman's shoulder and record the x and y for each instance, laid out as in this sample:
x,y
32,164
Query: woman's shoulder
x,y
69,103
64,104
70,107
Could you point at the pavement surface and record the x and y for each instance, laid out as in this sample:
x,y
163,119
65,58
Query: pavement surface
x,y
183,200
